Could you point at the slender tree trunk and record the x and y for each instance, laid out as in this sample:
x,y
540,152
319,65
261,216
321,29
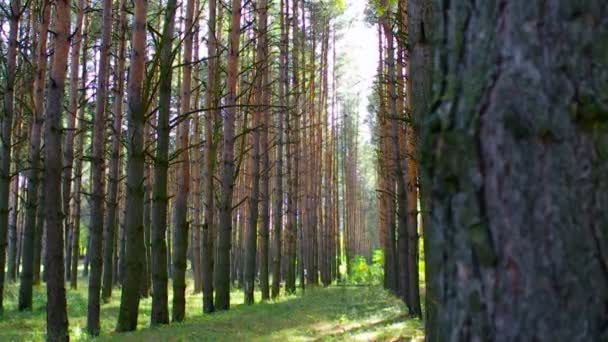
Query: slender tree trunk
x,y
68,152
160,306
222,271
78,155
27,272
420,26
283,103
114,169
56,312
129,303
196,164
98,172
209,235
180,241
292,166
6,126
250,238
264,113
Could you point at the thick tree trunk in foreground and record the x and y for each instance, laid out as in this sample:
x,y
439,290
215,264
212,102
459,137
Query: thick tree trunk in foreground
x,y
56,307
134,229
517,173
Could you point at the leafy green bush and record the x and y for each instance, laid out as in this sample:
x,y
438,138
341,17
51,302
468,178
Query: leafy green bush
x,y
363,273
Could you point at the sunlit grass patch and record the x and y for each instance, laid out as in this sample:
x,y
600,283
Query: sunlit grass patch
x,y
337,313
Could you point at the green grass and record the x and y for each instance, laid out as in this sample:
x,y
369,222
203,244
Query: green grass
x,y
337,313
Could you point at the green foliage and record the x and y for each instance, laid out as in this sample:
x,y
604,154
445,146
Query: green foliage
x,y
362,273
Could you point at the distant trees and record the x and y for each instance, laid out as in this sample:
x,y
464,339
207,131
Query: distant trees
x,y
397,159
234,138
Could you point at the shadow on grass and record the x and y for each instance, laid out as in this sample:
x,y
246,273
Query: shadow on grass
x,y
320,314
334,313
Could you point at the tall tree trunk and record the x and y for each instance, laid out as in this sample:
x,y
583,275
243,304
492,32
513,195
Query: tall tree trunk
x,y
98,172
399,166
283,104
134,230
264,114
196,163
222,271
160,305
6,126
68,152
180,213
114,169
292,165
56,308
78,155
517,176
14,208
420,24
211,102
250,238
27,272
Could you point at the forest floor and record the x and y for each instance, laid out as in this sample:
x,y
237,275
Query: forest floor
x,y
337,313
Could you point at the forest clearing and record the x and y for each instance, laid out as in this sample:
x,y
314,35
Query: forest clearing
x,y
338,313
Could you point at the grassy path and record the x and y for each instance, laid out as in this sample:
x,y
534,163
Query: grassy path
x,y
333,314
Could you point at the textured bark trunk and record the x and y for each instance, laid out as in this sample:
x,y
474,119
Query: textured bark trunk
x,y
222,271
76,190
160,199
68,147
27,272
283,104
98,172
114,169
56,308
264,66
209,229
292,165
6,126
517,174
399,167
134,230
250,236
420,27
183,178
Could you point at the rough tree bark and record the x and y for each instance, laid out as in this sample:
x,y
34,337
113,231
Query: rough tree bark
x,y
113,176
134,230
221,273
6,126
278,206
180,242
98,172
209,165
515,148
264,68
31,205
56,307
160,305
68,144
